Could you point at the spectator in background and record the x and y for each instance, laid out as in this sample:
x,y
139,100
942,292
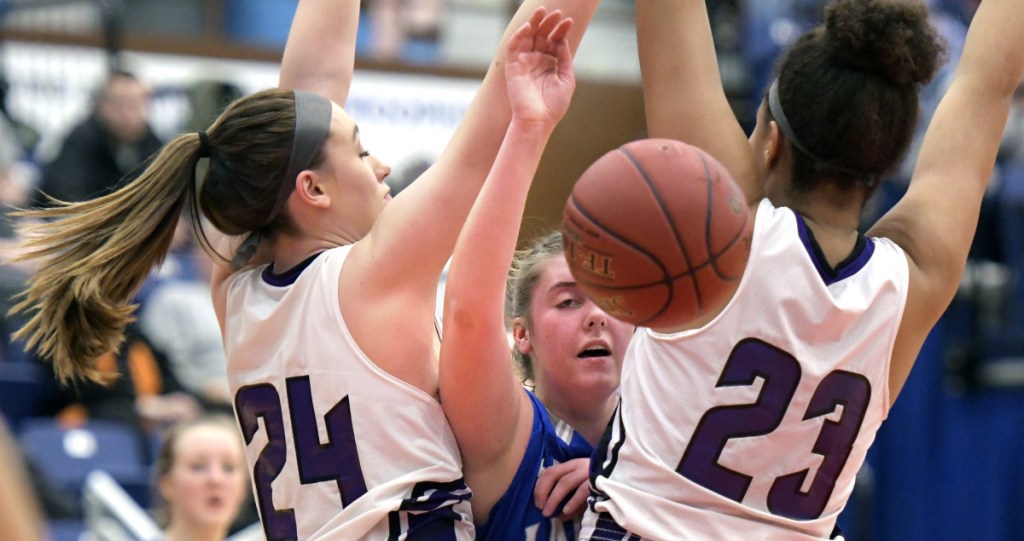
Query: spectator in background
x,y
26,136
770,26
208,98
178,320
407,30
140,396
101,151
16,179
200,479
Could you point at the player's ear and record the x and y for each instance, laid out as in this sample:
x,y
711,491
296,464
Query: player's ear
x,y
771,147
308,189
521,336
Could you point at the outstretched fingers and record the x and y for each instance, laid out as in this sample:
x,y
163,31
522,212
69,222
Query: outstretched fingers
x,y
545,33
558,39
537,17
520,42
547,24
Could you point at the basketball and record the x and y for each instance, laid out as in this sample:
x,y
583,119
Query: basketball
x,y
657,233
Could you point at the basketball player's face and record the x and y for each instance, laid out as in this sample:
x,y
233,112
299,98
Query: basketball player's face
x,y
576,348
355,178
207,482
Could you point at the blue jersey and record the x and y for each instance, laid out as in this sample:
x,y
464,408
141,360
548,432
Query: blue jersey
x,y
515,517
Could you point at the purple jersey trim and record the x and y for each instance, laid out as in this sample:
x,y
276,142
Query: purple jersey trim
x,y
289,276
859,257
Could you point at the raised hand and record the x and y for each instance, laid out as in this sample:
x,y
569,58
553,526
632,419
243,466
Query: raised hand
x,y
539,70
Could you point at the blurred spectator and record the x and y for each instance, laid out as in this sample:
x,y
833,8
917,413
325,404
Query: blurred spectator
x,y
201,479
16,179
139,396
97,155
177,318
410,170
770,26
407,30
26,136
207,99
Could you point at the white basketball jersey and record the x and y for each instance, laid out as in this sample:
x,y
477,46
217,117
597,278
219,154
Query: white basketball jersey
x,y
339,449
754,426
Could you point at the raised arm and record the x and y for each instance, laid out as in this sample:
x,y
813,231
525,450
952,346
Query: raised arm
x,y
489,413
321,49
433,209
683,94
319,57
936,220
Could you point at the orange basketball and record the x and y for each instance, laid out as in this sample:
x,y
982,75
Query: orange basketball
x,y
657,233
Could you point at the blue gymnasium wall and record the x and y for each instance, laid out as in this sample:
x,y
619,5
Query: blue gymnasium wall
x,y
949,467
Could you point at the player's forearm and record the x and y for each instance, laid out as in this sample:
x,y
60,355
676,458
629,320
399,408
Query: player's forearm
x,y
488,239
320,53
993,52
677,62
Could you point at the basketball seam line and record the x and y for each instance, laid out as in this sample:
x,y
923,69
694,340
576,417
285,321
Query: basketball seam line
x,y
671,223
712,256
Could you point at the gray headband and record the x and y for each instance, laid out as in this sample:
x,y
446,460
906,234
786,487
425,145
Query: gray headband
x,y
775,105
312,125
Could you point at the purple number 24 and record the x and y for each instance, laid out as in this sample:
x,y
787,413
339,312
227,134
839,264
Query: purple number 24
x,y
781,372
337,460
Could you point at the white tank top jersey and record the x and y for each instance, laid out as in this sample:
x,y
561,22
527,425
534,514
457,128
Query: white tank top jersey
x,y
338,448
754,426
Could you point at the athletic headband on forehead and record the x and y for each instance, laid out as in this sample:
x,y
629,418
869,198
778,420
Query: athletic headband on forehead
x,y
312,124
775,105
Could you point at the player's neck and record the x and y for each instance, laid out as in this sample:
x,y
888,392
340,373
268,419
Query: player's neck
x,y
830,206
289,251
589,422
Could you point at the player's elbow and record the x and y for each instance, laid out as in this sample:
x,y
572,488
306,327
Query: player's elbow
x,y
460,312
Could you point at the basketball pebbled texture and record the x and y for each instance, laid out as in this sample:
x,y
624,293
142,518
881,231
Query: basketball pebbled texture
x,y
657,233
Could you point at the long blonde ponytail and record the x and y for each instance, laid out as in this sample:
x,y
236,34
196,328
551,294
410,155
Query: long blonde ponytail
x,y
95,256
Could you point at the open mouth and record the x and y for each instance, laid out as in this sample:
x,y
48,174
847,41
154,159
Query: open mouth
x,y
594,351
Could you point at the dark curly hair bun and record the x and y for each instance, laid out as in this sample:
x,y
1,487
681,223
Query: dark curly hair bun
x,y
890,38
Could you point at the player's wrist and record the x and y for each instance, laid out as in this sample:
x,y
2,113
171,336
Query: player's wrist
x,y
536,127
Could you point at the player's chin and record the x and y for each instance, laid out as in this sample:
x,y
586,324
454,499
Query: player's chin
x,y
599,385
599,368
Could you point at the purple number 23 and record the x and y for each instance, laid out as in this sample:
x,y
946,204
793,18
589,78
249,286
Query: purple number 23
x,y
781,374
